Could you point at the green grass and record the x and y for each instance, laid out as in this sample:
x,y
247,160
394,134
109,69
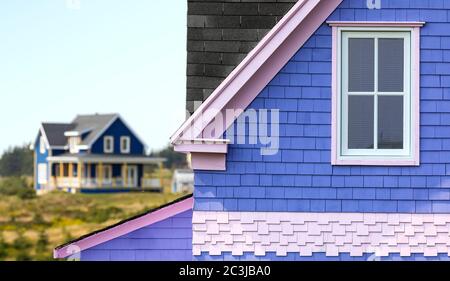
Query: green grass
x,y
31,228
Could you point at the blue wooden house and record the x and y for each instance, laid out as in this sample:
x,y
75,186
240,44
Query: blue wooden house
x,y
93,153
356,95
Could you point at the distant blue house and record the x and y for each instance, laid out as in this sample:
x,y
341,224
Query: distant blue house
x,y
93,153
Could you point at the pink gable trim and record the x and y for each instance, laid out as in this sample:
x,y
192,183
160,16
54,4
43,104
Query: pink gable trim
x,y
415,41
239,89
125,228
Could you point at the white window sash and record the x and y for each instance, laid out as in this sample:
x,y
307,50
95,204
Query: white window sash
x,y
42,145
108,144
42,174
125,148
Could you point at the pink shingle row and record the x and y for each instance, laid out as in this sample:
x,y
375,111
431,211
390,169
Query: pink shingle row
x,y
329,233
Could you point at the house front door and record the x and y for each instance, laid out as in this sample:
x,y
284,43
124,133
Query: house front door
x,y
132,176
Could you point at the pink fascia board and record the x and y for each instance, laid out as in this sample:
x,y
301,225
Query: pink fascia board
x,y
415,40
125,228
208,161
260,66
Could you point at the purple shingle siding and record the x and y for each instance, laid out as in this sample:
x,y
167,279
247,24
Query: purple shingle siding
x,y
301,173
170,239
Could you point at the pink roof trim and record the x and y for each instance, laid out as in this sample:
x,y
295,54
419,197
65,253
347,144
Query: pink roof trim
x,y
125,228
260,65
415,41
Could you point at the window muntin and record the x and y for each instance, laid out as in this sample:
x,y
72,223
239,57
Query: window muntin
x,y
42,145
107,174
108,144
375,89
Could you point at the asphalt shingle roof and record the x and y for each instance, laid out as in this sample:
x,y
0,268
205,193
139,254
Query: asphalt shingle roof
x,y
220,34
55,133
91,124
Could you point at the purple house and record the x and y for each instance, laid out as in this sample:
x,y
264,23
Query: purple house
x,y
344,108
330,140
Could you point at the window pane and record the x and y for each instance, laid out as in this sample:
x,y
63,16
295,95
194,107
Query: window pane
x,y
360,122
390,65
390,122
361,65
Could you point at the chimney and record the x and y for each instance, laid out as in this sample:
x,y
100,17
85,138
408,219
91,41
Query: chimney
x,y
220,34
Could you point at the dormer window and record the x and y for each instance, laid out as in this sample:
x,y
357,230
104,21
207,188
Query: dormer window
x,y
73,144
108,144
125,144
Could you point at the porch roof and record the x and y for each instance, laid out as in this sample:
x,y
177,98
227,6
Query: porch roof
x,y
111,159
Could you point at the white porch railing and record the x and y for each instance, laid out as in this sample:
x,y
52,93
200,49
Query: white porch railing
x,y
150,183
98,183
65,182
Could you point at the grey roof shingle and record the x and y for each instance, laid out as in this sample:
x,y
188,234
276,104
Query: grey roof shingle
x,y
55,133
93,125
220,34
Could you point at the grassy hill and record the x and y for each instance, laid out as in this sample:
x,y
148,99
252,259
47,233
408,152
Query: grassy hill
x,y
31,227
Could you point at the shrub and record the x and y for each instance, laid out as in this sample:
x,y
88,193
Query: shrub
x,y
67,236
39,221
16,186
98,215
22,246
3,248
42,242
21,243
17,161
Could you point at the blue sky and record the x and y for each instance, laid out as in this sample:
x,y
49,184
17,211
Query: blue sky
x,y
57,61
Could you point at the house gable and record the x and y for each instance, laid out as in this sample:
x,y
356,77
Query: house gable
x,y
299,193
249,78
116,130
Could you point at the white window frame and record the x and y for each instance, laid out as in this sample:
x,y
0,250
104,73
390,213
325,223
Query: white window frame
x,y
127,140
42,145
132,181
42,173
73,144
107,149
341,154
107,171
